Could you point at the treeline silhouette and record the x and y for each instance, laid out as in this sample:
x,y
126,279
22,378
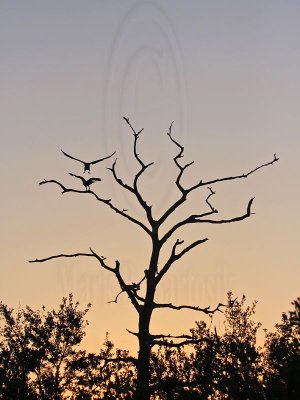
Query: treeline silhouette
x,y
40,358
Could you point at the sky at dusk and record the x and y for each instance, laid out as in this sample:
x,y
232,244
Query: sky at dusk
x,y
227,74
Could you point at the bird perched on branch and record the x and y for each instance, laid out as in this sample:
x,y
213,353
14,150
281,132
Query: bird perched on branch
x,y
87,165
86,182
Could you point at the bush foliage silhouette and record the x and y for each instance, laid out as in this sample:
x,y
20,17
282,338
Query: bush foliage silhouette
x,y
40,358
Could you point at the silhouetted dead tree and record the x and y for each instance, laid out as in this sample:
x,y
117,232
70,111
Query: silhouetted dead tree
x,y
143,297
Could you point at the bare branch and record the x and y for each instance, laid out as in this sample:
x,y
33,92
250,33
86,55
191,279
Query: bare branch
x,y
144,166
134,190
132,333
134,287
116,270
126,288
119,180
198,218
116,299
185,192
64,189
212,209
101,259
176,345
102,262
226,221
129,289
187,220
142,202
195,219
40,260
168,336
136,136
174,257
104,201
176,158
172,208
188,248
234,177
205,310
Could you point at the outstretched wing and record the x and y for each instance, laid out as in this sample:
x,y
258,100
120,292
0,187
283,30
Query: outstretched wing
x,y
102,159
95,180
77,176
73,158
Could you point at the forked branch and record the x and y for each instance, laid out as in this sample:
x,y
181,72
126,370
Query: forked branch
x,y
40,260
101,259
145,305
176,256
171,344
115,270
126,288
107,202
199,218
176,158
116,298
136,136
144,166
168,336
245,175
133,189
134,288
119,180
206,310
227,221
186,191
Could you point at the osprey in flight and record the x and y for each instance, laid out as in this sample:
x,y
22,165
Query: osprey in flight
x,y
86,182
87,165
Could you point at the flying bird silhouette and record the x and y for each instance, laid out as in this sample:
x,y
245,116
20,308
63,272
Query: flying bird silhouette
x,y
87,165
86,182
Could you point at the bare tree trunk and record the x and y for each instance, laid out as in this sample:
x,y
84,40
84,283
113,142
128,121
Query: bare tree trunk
x,y
145,339
143,370
143,361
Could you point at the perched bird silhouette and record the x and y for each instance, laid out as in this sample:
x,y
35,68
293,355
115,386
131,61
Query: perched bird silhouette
x,y
87,165
86,182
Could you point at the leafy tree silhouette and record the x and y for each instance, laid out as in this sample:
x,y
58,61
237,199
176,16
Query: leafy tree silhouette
x,y
104,375
282,357
142,292
40,359
218,366
38,349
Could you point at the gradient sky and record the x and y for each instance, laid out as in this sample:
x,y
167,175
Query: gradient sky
x,y
227,73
